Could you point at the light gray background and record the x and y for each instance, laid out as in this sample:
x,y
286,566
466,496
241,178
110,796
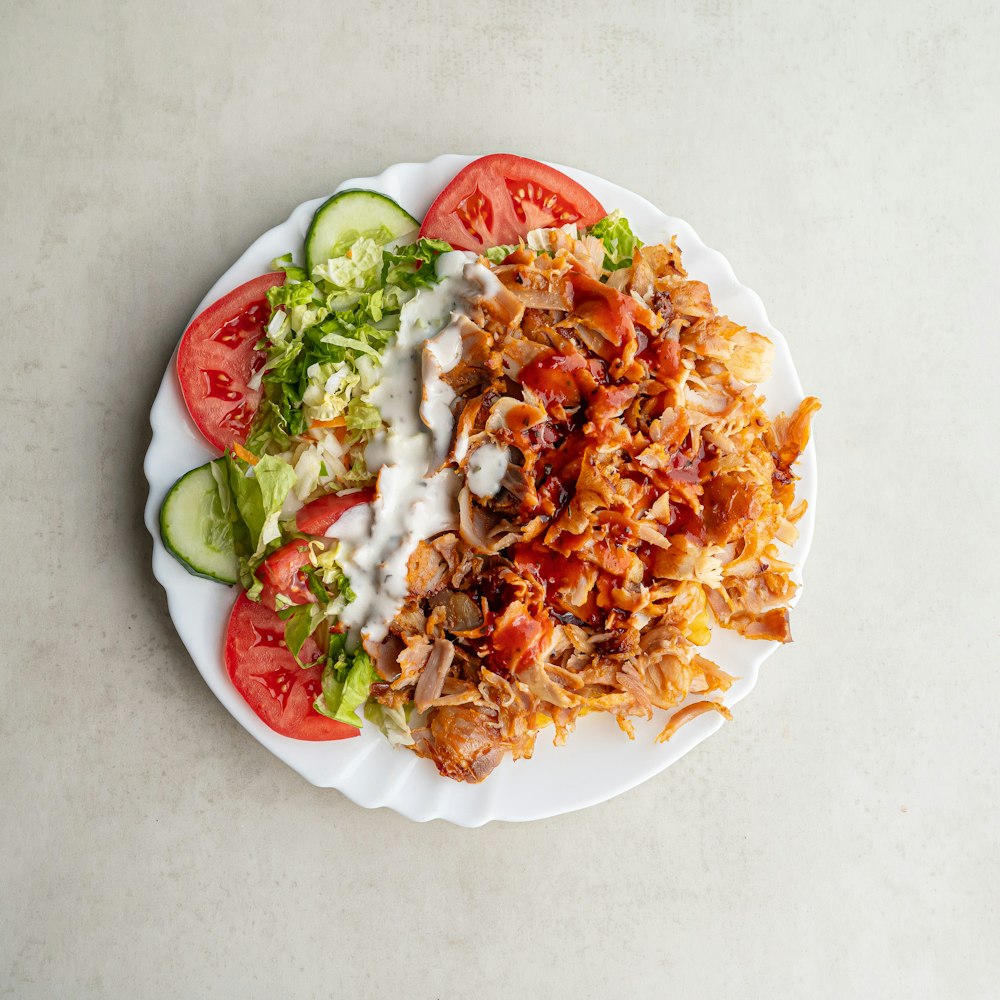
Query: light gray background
x,y
840,837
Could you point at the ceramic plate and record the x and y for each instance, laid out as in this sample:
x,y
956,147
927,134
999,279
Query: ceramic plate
x,y
598,761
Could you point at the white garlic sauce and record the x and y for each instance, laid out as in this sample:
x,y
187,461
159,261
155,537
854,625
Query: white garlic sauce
x,y
486,468
414,500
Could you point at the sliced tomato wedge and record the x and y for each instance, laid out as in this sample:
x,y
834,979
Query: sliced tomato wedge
x,y
272,683
281,573
317,516
497,199
216,359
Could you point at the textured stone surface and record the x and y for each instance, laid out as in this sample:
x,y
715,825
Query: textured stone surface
x,y
840,837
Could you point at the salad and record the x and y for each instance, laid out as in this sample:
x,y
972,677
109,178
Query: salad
x,y
483,474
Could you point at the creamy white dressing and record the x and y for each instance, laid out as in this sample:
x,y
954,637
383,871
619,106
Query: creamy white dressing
x,y
488,283
486,468
440,355
413,500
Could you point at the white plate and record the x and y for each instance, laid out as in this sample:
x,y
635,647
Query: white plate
x,y
598,761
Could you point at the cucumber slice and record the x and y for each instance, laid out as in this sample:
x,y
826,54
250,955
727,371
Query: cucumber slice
x,y
195,530
349,215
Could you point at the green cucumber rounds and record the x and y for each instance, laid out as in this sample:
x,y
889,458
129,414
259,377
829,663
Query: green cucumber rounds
x,y
195,530
349,215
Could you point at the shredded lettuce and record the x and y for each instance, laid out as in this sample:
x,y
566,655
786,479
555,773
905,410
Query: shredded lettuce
x,y
343,279
394,722
251,498
300,623
331,574
362,416
358,474
292,270
410,267
381,236
220,473
347,680
497,255
246,510
356,343
274,479
619,240
269,429
290,295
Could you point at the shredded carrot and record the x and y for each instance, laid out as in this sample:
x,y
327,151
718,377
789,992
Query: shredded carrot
x,y
240,452
336,422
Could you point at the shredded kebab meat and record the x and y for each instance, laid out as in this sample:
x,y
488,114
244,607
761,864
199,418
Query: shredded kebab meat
x,y
646,493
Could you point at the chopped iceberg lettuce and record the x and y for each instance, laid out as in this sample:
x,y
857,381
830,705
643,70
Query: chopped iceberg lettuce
x,y
347,680
618,239
393,722
252,498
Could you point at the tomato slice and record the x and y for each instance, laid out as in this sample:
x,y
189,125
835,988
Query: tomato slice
x,y
500,198
274,685
216,359
281,573
317,516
